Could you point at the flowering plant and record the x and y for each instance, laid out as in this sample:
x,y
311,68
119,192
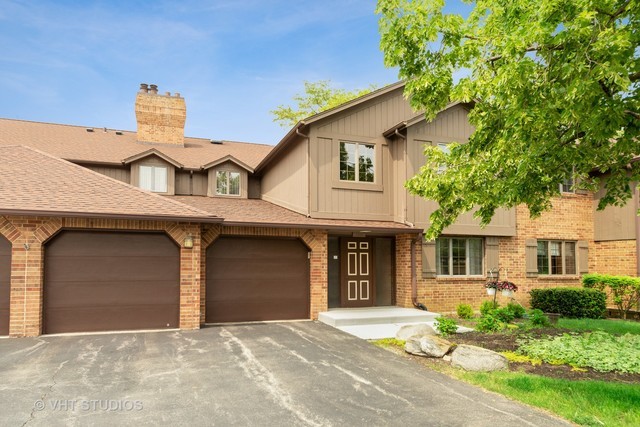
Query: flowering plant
x,y
494,284
508,286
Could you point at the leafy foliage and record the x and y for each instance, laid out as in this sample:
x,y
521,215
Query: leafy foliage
x,y
390,342
317,97
537,318
464,311
489,323
520,358
517,310
570,302
624,290
555,87
488,305
446,326
503,314
598,350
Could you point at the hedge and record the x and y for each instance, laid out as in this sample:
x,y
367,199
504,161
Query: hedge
x,y
624,290
570,302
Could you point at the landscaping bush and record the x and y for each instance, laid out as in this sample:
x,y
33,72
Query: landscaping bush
x,y
446,326
624,290
488,323
570,302
503,314
537,318
464,311
487,306
517,310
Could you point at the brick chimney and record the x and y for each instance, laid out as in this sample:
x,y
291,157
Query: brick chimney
x,y
160,117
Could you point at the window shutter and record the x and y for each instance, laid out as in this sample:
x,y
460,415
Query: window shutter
x,y
428,259
491,257
531,256
583,257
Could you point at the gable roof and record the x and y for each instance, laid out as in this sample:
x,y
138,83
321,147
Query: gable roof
x,y
55,187
228,158
151,152
105,146
418,118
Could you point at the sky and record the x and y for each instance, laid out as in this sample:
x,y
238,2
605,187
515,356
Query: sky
x,y
81,62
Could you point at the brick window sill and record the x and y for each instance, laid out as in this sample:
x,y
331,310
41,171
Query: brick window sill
x,y
460,279
556,277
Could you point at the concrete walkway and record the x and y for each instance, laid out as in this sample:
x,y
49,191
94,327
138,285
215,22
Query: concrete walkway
x,y
298,374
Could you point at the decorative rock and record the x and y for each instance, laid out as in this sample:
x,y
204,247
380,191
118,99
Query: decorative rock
x,y
472,358
434,346
419,329
447,358
412,345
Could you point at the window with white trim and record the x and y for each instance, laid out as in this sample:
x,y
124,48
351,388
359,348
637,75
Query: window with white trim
x,y
567,186
357,162
444,148
153,178
556,257
459,256
227,183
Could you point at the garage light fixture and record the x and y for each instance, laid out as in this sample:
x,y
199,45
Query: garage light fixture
x,y
188,242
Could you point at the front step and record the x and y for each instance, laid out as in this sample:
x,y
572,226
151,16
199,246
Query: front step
x,y
344,317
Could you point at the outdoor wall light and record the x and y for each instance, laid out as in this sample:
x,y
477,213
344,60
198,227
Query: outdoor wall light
x,y
188,242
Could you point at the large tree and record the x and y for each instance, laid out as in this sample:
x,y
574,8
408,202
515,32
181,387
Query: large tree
x,y
317,97
555,85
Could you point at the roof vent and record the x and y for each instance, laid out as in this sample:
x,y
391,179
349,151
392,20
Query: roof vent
x,y
89,129
216,141
118,132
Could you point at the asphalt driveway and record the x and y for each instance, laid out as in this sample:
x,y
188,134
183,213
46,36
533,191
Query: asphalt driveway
x,y
302,373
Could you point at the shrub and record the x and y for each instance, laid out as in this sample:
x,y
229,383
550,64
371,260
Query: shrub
x,y
487,306
570,302
502,314
464,311
488,323
446,326
517,310
537,318
624,290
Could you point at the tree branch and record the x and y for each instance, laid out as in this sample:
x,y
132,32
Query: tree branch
x,y
632,114
605,88
532,48
634,77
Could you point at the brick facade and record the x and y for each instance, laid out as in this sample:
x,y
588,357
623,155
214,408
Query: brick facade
x,y
570,219
28,236
616,257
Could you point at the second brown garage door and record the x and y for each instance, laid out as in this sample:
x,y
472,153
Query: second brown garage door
x,y
101,281
251,279
5,284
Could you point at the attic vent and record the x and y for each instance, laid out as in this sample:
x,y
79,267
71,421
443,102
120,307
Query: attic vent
x,y
118,132
89,129
216,141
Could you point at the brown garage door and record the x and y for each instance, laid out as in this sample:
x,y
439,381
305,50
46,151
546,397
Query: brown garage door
x,y
100,281
257,279
5,282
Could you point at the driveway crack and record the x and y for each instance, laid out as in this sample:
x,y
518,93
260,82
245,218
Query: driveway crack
x,y
40,405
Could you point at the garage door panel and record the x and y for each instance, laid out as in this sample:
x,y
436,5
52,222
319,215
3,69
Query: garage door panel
x,y
98,281
112,268
252,279
5,284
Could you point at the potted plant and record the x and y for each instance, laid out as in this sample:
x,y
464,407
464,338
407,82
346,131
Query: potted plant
x,y
508,288
492,286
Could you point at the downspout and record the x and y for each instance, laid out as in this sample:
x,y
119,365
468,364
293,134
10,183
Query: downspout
x,y
414,276
637,197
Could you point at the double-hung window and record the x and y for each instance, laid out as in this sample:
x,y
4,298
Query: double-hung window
x,y
556,257
227,183
153,178
459,256
357,162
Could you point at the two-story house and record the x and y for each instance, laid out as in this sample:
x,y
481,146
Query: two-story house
x,y
102,229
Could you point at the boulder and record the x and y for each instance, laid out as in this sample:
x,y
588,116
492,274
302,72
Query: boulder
x,y
472,358
412,345
419,329
433,346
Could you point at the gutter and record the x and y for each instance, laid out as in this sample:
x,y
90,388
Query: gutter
x,y
24,212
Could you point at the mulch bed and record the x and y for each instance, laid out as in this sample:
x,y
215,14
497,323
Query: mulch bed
x,y
507,341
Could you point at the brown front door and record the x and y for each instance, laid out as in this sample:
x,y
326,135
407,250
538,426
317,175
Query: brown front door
x,y
5,282
255,279
106,281
357,279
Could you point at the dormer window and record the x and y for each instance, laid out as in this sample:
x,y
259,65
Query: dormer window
x,y
357,162
227,183
153,178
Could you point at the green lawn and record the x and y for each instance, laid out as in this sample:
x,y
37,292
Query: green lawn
x,y
617,327
589,403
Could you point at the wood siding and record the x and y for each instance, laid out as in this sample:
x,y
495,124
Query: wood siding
x,y
449,126
231,167
287,182
191,183
119,173
615,222
154,161
254,187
